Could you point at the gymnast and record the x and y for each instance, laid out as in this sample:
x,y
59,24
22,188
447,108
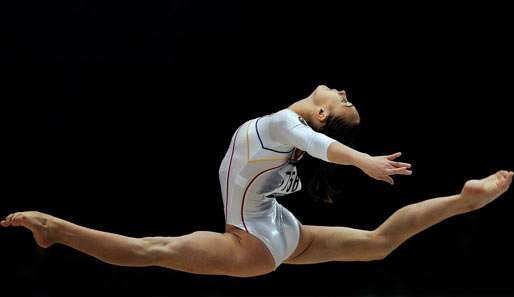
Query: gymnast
x,y
260,234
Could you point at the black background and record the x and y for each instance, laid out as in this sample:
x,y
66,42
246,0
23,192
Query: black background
x,y
117,114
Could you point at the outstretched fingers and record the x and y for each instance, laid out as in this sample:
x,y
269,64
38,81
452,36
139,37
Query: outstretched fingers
x,y
400,164
395,171
400,171
394,156
397,164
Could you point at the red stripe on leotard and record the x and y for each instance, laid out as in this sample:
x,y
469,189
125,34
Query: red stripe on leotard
x,y
228,173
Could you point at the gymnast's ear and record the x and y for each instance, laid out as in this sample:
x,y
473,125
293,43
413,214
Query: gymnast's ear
x,y
319,117
321,114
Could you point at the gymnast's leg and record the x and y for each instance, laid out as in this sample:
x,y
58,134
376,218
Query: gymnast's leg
x,y
324,244
234,253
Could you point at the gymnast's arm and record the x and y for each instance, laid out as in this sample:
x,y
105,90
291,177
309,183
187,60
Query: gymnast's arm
x,y
379,167
325,148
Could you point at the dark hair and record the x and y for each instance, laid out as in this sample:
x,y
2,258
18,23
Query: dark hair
x,y
320,185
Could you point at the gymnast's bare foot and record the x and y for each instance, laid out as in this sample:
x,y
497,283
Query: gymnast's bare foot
x,y
478,193
39,223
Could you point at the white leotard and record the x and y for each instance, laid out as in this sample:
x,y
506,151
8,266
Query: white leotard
x,y
258,167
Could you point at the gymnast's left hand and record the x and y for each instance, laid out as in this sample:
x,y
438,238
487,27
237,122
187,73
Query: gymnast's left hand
x,y
383,167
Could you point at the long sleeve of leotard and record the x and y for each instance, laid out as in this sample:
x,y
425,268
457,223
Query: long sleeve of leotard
x,y
289,128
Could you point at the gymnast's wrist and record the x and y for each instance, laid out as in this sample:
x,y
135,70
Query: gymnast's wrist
x,y
360,160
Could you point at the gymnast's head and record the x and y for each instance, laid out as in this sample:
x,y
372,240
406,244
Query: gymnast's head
x,y
327,111
331,113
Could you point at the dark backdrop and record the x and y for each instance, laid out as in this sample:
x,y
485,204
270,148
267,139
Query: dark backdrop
x,y
116,116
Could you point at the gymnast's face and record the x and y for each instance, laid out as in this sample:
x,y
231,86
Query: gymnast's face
x,y
338,105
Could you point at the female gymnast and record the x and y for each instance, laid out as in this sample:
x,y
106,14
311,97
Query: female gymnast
x,y
260,234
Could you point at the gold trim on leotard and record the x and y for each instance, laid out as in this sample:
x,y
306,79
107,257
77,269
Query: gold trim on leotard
x,y
248,150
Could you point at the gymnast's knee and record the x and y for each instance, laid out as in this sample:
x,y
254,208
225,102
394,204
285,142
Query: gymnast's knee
x,y
382,246
155,249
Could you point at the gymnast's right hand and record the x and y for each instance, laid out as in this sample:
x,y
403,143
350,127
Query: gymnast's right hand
x,y
382,167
